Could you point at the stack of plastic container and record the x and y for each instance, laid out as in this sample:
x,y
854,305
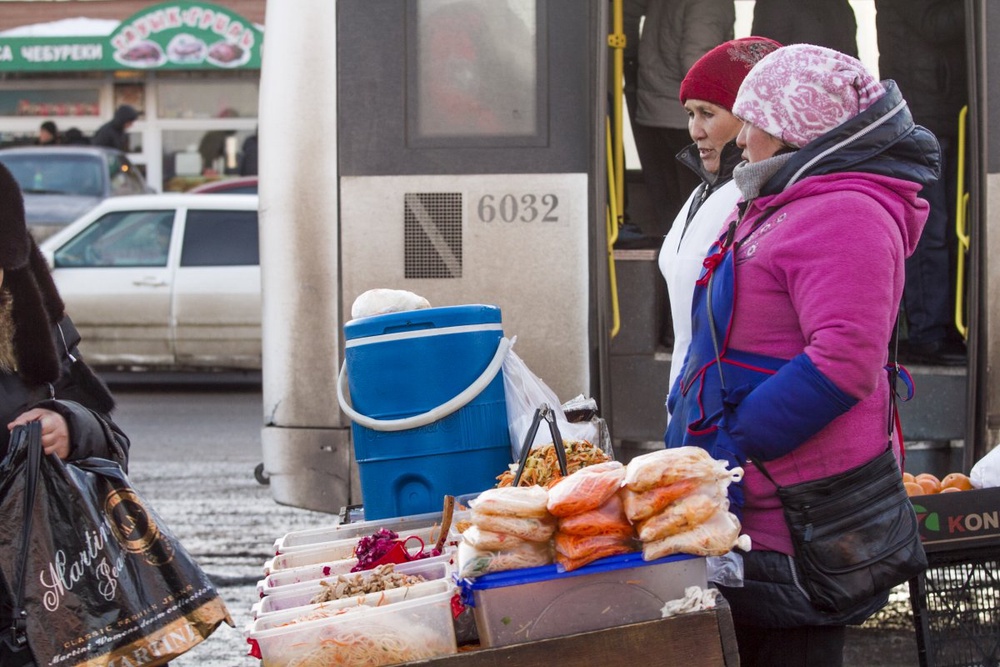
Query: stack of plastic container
x,y
291,629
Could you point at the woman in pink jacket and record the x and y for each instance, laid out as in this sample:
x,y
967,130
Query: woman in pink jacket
x,y
798,302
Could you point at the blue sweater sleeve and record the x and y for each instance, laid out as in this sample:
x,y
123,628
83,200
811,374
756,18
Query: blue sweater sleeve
x,y
782,412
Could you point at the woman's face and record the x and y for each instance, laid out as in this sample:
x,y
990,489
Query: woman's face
x,y
757,144
711,127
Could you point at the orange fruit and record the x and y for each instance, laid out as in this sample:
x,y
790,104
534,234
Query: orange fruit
x,y
930,482
907,477
956,480
950,489
929,486
914,489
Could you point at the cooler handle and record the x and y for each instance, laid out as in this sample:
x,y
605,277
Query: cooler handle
x,y
432,415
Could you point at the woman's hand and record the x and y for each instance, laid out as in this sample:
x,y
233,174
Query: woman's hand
x,y
55,431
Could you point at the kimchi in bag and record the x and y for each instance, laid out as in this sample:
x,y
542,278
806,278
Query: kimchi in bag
x,y
106,583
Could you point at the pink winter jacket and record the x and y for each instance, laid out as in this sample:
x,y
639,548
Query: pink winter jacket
x,y
823,274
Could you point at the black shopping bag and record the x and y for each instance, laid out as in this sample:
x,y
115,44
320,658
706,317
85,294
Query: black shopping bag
x,y
106,584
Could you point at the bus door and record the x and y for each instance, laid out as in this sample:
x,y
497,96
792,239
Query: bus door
x,y
466,137
979,237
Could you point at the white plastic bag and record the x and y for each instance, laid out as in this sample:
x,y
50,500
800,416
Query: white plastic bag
x,y
525,392
986,473
380,301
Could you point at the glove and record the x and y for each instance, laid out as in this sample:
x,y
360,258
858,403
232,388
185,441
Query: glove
x,y
782,412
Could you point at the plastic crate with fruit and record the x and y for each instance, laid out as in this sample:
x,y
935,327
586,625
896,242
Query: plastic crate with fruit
x,y
956,608
952,514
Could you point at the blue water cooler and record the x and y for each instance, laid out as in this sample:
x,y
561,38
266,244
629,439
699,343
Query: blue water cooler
x,y
426,401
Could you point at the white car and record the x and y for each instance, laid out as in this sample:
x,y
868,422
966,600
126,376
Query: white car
x,y
164,281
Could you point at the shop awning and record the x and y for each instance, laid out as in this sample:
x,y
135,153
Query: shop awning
x,y
166,36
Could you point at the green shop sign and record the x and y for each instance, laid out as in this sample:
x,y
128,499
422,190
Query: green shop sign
x,y
170,35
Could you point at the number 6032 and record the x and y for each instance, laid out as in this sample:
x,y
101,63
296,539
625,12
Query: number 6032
x,y
518,208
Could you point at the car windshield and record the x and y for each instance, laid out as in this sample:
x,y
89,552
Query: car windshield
x,y
56,173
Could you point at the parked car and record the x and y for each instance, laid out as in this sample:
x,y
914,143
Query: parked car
x,y
246,185
163,282
61,183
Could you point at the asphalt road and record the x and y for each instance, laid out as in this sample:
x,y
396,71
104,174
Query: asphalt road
x,y
194,448
193,454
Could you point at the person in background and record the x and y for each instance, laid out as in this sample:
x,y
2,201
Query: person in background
x,y
42,377
675,33
114,133
248,156
74,137
803,290
707,93
213,146
922,48
829,23
48,134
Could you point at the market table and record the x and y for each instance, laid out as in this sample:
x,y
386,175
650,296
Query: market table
x,y
696,639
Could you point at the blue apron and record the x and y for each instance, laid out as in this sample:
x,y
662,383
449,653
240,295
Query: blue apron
x,y
696,403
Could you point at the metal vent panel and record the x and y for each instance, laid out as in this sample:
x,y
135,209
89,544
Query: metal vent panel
x,y
432,234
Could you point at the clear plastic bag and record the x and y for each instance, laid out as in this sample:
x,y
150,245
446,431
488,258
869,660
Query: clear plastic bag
x,y
686,514
586,489
513,501
576,547
669,466
473,562
488,540
714,537
726,570
527,528
608,519
525,392
640,505
985,473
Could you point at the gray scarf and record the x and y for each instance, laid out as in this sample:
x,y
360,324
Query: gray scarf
x,y
751,177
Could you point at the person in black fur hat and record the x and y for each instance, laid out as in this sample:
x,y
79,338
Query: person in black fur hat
x,y
42,377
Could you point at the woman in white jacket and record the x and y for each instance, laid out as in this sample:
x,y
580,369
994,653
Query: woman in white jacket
x,y
707,93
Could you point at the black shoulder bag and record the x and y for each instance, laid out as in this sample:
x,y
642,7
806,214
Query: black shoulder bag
x,y
14,643
855,533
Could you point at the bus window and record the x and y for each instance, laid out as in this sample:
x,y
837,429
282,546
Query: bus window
x,y
475,70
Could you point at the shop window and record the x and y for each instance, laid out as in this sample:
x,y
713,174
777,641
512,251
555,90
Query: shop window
x,y
132,94
190,157
215,99
49,102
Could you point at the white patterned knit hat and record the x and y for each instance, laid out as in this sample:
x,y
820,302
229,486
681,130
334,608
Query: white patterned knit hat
x,y
801,91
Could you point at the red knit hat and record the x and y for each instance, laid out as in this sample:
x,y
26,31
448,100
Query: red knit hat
x,y
717,75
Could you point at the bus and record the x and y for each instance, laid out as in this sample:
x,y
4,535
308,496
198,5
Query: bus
x,y
469,151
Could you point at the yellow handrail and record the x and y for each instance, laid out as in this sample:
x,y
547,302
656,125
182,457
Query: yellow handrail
x,y
612,226
961,228
616,158
617,41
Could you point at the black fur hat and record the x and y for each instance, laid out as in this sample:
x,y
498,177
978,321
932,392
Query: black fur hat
x,y
13,230
36,302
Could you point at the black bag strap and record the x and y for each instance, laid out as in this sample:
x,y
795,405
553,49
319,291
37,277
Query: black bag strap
x,y
31,437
